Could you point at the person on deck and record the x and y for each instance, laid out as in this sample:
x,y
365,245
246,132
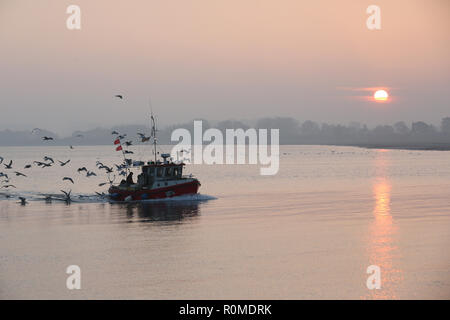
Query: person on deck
x,y
130,179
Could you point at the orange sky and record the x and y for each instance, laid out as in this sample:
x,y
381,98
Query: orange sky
x,y
221,59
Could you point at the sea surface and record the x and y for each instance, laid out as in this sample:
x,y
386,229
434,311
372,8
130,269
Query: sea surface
x,y
309,232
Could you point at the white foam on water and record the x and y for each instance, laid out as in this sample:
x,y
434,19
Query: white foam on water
x,y
95,198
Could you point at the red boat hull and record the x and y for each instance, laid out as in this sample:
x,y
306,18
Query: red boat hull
x,y
190,187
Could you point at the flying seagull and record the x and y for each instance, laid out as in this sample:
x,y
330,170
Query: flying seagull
x,y
102,195
82,169
122,173
67,194
8,186
63,163
8,166
108,170
119,96
27,166
90,173
68,179
143,137
19,174
45,138
1,160
49,159
114,132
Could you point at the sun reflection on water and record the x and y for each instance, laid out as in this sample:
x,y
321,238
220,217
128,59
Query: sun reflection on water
x,y
382,247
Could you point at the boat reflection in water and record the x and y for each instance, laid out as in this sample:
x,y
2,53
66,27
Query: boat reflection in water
x,y
160,211
382,244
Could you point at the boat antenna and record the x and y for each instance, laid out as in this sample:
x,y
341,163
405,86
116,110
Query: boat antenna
x,y
153,128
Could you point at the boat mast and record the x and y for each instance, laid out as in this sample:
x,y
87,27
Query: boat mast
x,y
153,133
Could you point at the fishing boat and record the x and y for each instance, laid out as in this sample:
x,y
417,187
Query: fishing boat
x,y
158,179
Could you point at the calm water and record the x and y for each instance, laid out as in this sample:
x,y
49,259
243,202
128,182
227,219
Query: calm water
x,y
311,231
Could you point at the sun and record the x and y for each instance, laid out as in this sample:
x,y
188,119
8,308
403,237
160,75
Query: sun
x,y
381,95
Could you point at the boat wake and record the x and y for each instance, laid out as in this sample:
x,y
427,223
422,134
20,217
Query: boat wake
x,y
96,198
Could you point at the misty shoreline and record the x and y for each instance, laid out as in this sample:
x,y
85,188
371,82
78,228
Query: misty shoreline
x,y
444,147
415,136
425,147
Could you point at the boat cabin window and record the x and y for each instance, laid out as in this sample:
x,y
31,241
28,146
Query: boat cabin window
x,y
177,171
169,171
159,172
151,172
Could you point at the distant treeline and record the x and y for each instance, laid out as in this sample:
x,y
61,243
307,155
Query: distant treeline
x,y
399,135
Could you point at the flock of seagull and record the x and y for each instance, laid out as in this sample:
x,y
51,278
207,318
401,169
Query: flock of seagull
x,y
48,161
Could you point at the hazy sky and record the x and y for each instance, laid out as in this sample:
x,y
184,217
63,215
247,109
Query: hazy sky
x,y
218,59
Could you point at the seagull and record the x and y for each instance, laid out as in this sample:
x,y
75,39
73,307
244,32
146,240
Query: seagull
x,y
9,186
143,137
108,170
35,130
68,179
114,132
119,96
27,166
128,152
102,195
3,175
67,194
45,138
102,184
90,173
23,201
70,147
49,159
82,169
19,174
63,163
39,163
1,160
79,136
128,143
45,165
121,136
8,166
